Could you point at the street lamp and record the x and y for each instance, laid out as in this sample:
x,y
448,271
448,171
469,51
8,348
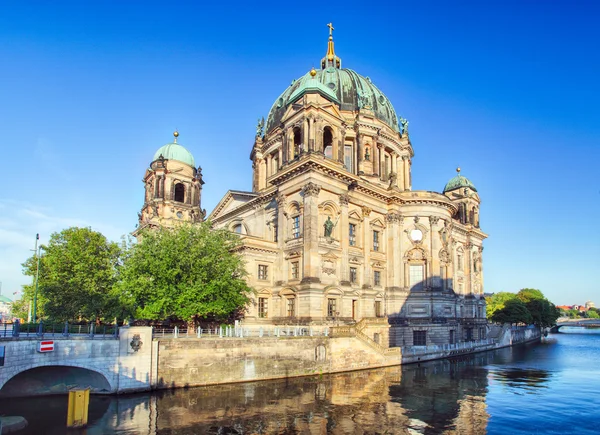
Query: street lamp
x,y
38,253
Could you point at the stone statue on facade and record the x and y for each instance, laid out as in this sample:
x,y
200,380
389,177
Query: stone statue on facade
x,y
393,178
328,225
367,154
404,124
260,127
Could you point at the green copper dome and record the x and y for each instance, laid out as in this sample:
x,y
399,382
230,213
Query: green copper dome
x,y
345,87
458,182
174,151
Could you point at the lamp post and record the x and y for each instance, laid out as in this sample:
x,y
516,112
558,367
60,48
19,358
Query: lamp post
x,y
38,253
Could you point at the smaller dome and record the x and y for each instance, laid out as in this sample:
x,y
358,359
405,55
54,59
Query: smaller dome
x,y
174,151
458,182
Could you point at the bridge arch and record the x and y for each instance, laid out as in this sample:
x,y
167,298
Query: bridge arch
x,y
52,378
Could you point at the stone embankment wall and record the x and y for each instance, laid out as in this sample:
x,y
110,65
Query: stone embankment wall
x,y
192,362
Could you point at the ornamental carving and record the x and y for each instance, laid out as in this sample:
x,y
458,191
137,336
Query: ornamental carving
x,y
311,189
433,220
136,343
445,256
280,200
344,199
393,217
416,219
416,254
366,211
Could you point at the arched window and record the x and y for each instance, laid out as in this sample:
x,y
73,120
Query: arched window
x,y
237,228
472,216
297,141
328,142
179,195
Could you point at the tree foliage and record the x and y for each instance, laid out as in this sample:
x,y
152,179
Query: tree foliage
x,y
497,301
190,273
528,306
78,269
514,312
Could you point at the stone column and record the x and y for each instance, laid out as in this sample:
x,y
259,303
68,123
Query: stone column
x,y
375,158
468,265
394,274
310,233
304,141
406,167
382,174
341,141
367,245
433,251
344,237
360,142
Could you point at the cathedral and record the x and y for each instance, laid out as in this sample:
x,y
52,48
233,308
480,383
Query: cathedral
x,y
332,231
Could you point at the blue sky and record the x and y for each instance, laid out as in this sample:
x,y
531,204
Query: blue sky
x,y
508,90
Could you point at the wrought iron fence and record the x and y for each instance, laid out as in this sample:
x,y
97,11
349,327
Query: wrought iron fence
x,y
434,348
48,329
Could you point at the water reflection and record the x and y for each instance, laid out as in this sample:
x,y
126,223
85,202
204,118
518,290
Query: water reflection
x,y
439,397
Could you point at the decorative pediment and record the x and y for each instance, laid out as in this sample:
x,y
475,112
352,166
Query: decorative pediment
x,y
293,254
377,222
416,254
355,215
355,260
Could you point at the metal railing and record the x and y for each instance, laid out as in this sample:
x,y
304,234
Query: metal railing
x,y
56,330
435,348
241,332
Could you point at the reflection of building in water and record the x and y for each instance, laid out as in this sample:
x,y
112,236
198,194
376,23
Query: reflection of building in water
x,y
446,394
439,397
332,229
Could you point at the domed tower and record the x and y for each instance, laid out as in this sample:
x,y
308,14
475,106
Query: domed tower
x,y
462,192
173,188
338,114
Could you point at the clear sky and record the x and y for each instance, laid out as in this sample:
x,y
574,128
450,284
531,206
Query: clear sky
x,y
508,90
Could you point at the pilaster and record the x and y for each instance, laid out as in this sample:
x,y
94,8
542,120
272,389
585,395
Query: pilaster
x,y
310,193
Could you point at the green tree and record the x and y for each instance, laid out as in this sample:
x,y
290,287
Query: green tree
x,y
591,314
78,269
514,312
190,272
543,312
20,308
497,301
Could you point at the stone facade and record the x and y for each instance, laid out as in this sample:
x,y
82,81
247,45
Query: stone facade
x,y
332,230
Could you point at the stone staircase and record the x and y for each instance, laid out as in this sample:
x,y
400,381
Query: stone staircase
x,y
357,331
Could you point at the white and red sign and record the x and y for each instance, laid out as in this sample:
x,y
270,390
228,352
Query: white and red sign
x,y
46,346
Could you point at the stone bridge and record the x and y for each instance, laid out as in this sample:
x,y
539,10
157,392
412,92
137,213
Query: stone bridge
x,y
106,365
576,323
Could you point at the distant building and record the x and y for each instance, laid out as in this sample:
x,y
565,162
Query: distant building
x,y
590,304
5,308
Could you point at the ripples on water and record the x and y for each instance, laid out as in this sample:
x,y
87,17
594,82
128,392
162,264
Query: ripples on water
x,y
544,388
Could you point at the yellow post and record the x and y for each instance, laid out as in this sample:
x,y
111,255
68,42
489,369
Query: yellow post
x,y
77,412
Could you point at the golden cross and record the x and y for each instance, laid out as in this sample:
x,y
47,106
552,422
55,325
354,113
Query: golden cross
x,y
330,29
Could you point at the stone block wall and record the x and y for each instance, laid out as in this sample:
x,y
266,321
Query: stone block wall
x,y
205,361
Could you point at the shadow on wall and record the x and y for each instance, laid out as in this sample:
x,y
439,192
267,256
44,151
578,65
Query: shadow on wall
x,y
46,380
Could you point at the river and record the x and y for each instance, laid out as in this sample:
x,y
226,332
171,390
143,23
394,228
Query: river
x,y
552,387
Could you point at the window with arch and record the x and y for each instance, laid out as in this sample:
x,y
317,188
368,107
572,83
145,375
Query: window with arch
x,y
297,141
348,161
296,227
179,193
472,216
328,142
416,274
291,307
237,228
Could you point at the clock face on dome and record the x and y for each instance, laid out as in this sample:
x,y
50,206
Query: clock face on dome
x,y
416,235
